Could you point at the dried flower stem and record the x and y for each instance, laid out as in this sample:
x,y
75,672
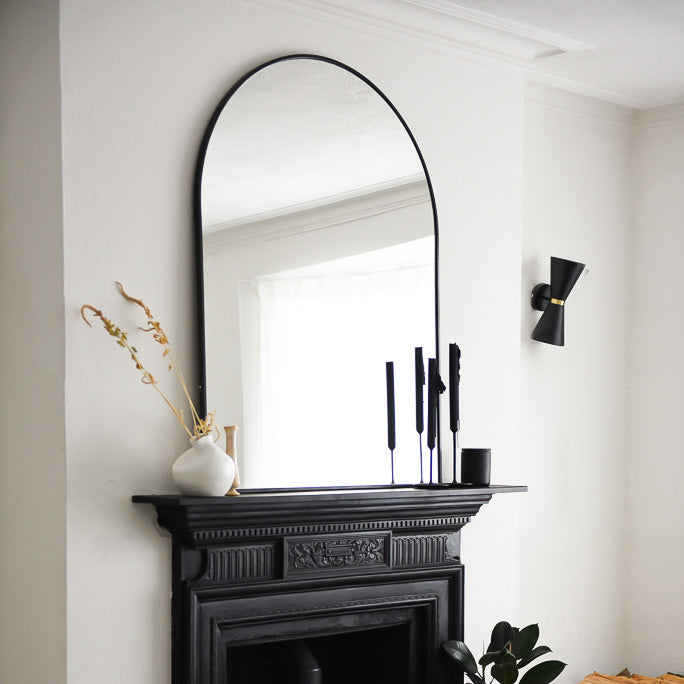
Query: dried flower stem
x,y
201,426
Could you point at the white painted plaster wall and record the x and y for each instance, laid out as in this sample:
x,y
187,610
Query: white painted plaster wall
x,y
655,540
572,539
32,439
139,82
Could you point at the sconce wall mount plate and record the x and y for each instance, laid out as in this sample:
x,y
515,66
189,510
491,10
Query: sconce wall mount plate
x,y
540,297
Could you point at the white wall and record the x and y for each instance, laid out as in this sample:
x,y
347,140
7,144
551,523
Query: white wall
x,y
32,441
139,83
655,541
577,206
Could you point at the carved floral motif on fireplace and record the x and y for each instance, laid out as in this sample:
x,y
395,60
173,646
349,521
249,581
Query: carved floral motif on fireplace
x,y
337,552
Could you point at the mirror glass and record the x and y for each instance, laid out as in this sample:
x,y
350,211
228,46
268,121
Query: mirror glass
x,y
318,256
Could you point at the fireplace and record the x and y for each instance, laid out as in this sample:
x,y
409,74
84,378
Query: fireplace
x,y
317,587
350,633
350,656
382,617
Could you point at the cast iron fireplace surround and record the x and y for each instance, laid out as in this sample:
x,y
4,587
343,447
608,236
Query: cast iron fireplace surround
x,y
363,583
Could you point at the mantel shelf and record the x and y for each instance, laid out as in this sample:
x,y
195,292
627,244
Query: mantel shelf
x,y
322,494
204,521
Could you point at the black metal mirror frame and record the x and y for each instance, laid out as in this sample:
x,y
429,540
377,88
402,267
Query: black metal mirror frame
x,y
197,219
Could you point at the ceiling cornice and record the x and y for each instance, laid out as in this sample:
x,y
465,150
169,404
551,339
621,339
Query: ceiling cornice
x,y
560,104
667,118
555,43
428,26
584,89
445,26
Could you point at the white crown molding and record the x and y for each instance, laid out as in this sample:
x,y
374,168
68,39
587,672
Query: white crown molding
x,y
319,215
667,118
584,89
550,101
557,44
446,27
482,40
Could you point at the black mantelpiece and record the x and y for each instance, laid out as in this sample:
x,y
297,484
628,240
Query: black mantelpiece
x,y
282,566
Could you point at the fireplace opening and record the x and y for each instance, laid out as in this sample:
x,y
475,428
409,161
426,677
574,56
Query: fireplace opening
x,y
364,656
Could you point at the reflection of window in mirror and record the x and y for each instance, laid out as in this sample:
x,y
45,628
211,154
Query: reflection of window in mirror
x,y
356,312
306,383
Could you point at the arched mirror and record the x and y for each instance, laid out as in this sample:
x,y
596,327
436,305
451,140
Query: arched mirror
x,y
317,231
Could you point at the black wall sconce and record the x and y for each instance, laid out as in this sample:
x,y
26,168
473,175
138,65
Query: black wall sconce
x,y
551,300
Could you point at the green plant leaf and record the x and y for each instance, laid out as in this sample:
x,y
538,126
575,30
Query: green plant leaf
x,y
506,672
543,673
524,641
475,678
462,655
539,651
491,657
505,657
501,635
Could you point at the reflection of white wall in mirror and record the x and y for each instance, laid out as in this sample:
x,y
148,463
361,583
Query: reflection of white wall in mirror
x,y
300,386
298,131
231,378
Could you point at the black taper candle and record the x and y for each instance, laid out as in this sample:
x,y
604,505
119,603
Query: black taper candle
x,y
454,380
432,408
432,403
454,406
391,434
420,423
420,381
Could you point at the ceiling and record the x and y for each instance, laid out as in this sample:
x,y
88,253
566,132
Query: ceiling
x,y
626,51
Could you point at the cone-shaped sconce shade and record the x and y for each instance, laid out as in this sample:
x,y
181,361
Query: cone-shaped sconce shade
x,y
551,300
551,326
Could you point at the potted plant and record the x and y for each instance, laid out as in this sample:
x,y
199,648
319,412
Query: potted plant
x,y
509,651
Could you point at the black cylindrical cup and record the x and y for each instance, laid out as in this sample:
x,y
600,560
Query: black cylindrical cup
x,y
476,466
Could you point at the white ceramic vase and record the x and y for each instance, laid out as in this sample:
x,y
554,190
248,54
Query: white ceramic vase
x,y
204,469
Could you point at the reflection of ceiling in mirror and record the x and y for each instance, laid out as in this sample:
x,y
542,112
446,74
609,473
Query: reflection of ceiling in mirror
x,y
296,132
